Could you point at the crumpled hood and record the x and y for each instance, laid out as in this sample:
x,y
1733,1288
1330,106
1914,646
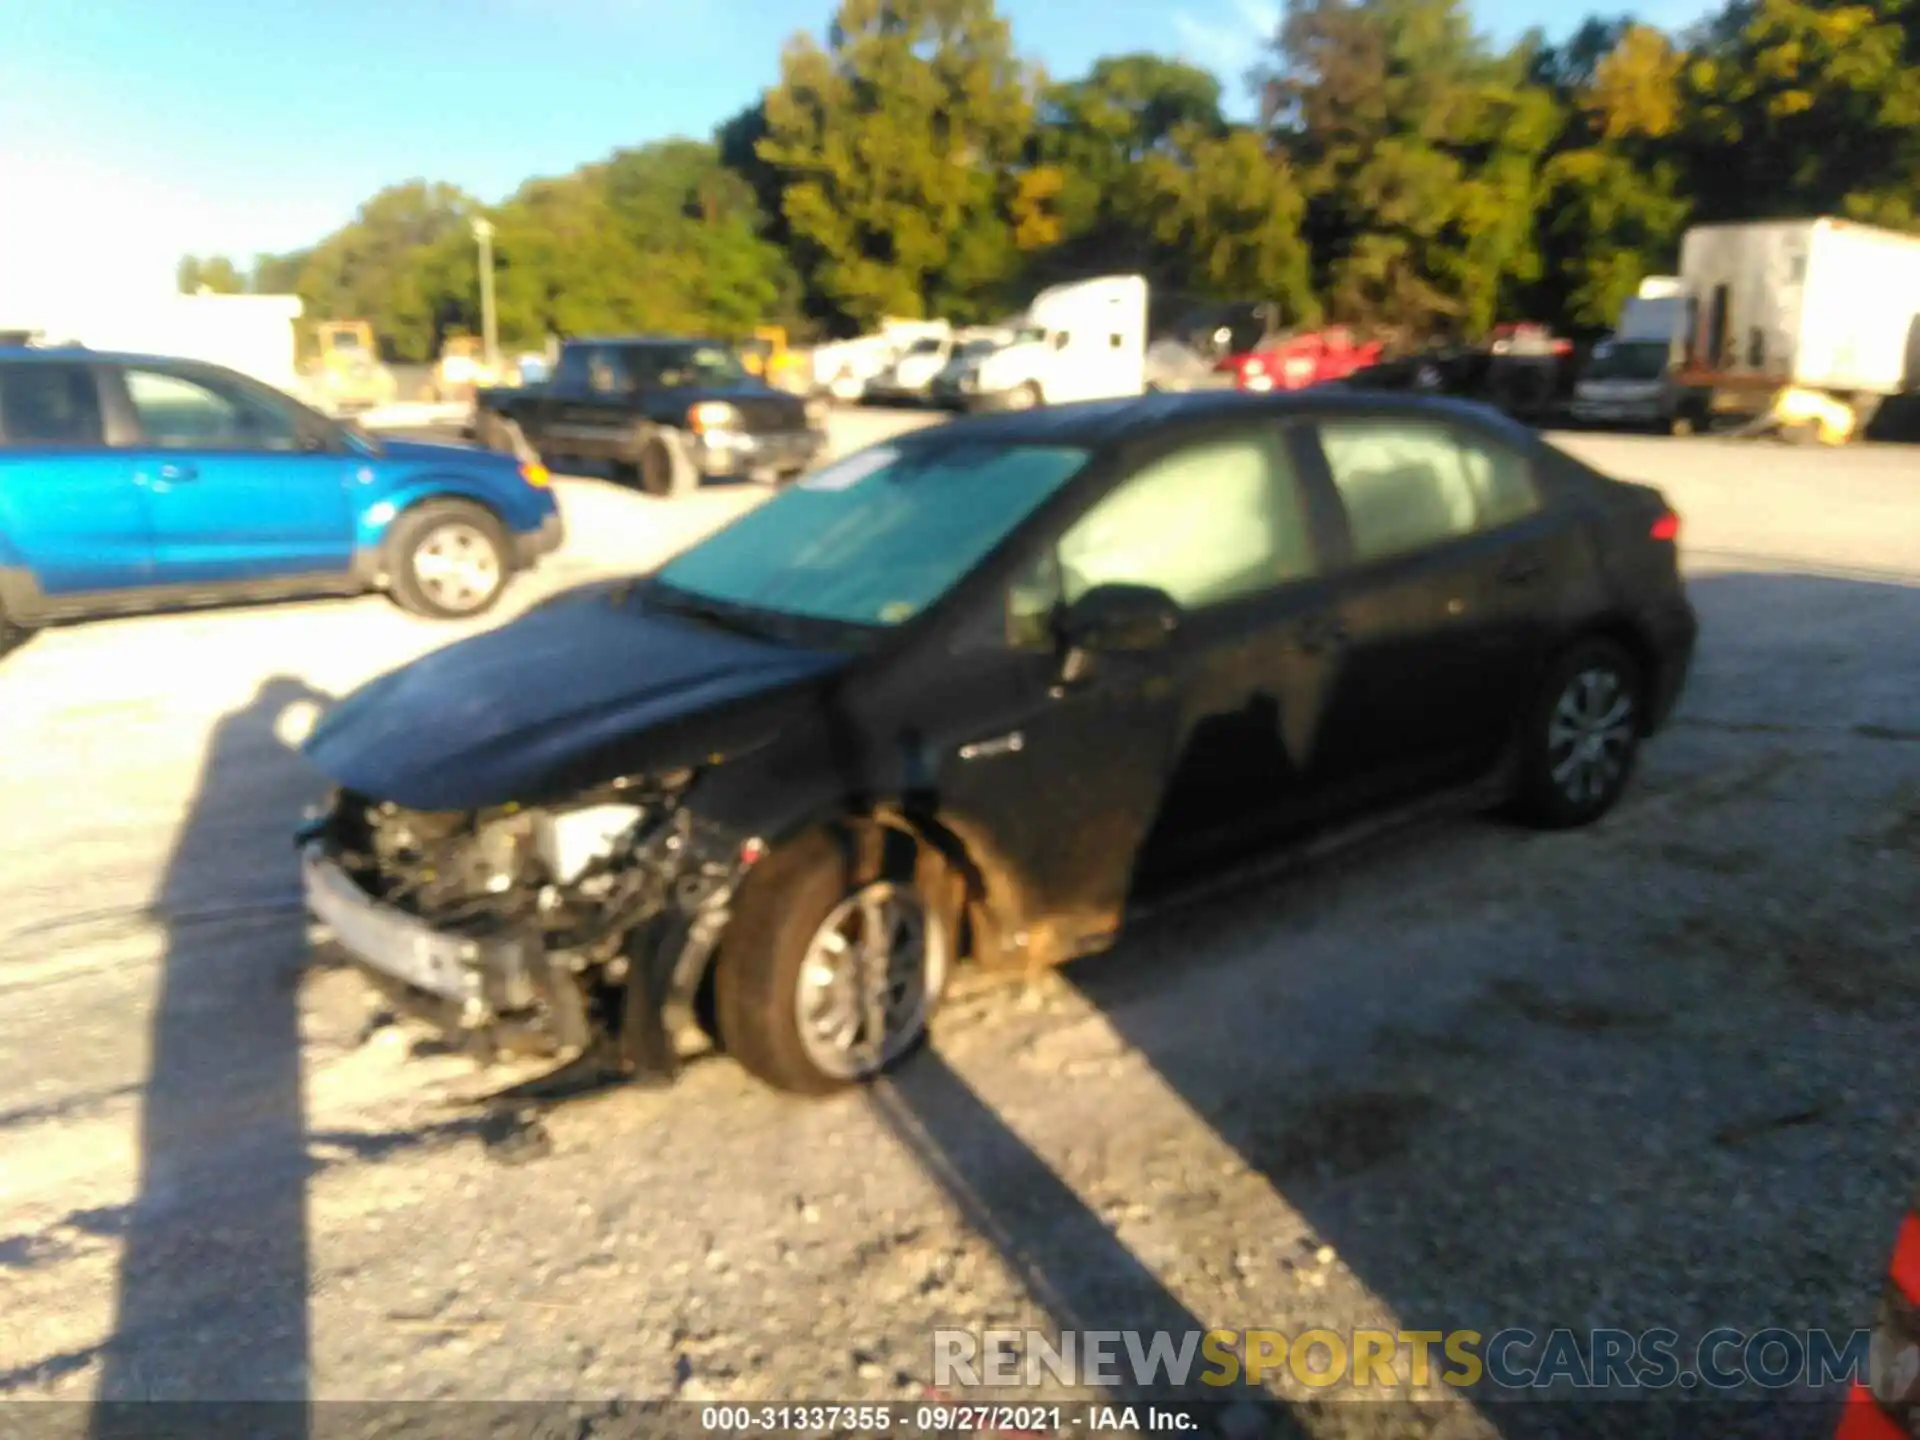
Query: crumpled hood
x,y
574,693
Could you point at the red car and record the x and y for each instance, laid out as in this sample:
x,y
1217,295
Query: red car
x,y
1294,362
1889,1407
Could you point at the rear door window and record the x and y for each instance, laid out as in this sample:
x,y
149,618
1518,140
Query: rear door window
x,y
49,403
1411,485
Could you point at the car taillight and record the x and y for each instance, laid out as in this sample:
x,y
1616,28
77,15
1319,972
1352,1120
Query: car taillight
x,y
1904,1271
1667,527
1887,1406
536,474
1863,1419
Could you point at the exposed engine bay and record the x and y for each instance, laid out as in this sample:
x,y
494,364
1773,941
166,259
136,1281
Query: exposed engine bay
x,y
571,925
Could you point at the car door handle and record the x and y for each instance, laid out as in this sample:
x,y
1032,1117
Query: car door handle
x,y
1522,569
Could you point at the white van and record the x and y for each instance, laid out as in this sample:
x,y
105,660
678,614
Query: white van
x,y
1084,341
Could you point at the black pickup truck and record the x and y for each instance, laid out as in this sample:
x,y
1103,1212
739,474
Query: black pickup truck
x,y
664,412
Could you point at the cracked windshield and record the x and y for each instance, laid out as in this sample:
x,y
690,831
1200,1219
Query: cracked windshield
x,y
961,717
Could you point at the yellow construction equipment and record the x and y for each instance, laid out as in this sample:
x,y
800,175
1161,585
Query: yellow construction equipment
x,y
1806,416
463,368
769,356
341,365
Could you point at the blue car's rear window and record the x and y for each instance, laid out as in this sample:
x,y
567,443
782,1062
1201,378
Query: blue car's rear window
x,y
46,402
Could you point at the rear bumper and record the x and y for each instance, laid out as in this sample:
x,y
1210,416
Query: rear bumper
x,y
529,546
730,453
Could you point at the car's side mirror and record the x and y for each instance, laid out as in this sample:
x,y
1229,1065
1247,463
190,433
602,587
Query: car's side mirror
x,y
1120,617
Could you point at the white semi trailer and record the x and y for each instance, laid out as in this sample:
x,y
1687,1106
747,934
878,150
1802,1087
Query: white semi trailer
x,y
1814,322
1081,341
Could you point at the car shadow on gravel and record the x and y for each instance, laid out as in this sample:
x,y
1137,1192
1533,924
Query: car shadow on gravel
x,y
1653,1075
214,1268
1072,1264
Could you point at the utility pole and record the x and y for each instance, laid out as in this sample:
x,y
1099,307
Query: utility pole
x,y
483,232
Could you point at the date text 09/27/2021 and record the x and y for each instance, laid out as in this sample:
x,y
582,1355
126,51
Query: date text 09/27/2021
x,y
946,1418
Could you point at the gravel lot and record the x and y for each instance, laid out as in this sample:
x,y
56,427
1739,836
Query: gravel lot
x,y
1656,1074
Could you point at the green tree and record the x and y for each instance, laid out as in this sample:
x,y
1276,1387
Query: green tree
x,y
211,272
897,145
1228,213
1079,200
371,269
1420,150
1613,208
278,274
699,224
1800,107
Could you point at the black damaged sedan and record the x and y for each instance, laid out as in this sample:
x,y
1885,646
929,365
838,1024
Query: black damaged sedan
x,y
976,695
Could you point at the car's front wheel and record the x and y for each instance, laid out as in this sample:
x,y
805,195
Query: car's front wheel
x,y
1581,736
828,977
449,560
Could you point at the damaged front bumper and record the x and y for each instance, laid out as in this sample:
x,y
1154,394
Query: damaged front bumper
x,y
511,991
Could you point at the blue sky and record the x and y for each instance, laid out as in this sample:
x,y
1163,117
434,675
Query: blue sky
x,y
142,129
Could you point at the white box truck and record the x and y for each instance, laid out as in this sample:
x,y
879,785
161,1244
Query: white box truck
x,y
1082,341
1632,378
1825,307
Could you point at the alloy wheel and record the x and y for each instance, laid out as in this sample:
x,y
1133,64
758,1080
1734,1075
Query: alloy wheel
x,y
1590,735
870,977
457,567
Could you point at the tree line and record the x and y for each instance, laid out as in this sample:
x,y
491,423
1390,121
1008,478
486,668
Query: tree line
x,y
1404,174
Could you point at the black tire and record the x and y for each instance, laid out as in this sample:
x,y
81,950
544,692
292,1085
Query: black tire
x,y
1554,801
1026,397
663,469
783,904
466,531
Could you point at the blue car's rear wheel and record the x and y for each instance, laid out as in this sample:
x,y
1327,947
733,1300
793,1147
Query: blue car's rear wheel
x,y
448,560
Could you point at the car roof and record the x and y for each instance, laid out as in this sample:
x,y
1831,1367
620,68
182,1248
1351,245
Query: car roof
x,y
1096,423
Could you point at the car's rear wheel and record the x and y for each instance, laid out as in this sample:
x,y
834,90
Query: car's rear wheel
x,y
828,976
450,560
1025,397
1581,736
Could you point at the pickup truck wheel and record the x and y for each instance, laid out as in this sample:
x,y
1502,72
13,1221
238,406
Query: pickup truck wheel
x,y
664,468
827,976
449,560
1027,397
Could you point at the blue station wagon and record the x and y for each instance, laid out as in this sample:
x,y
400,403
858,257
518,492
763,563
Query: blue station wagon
x,y
131,483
